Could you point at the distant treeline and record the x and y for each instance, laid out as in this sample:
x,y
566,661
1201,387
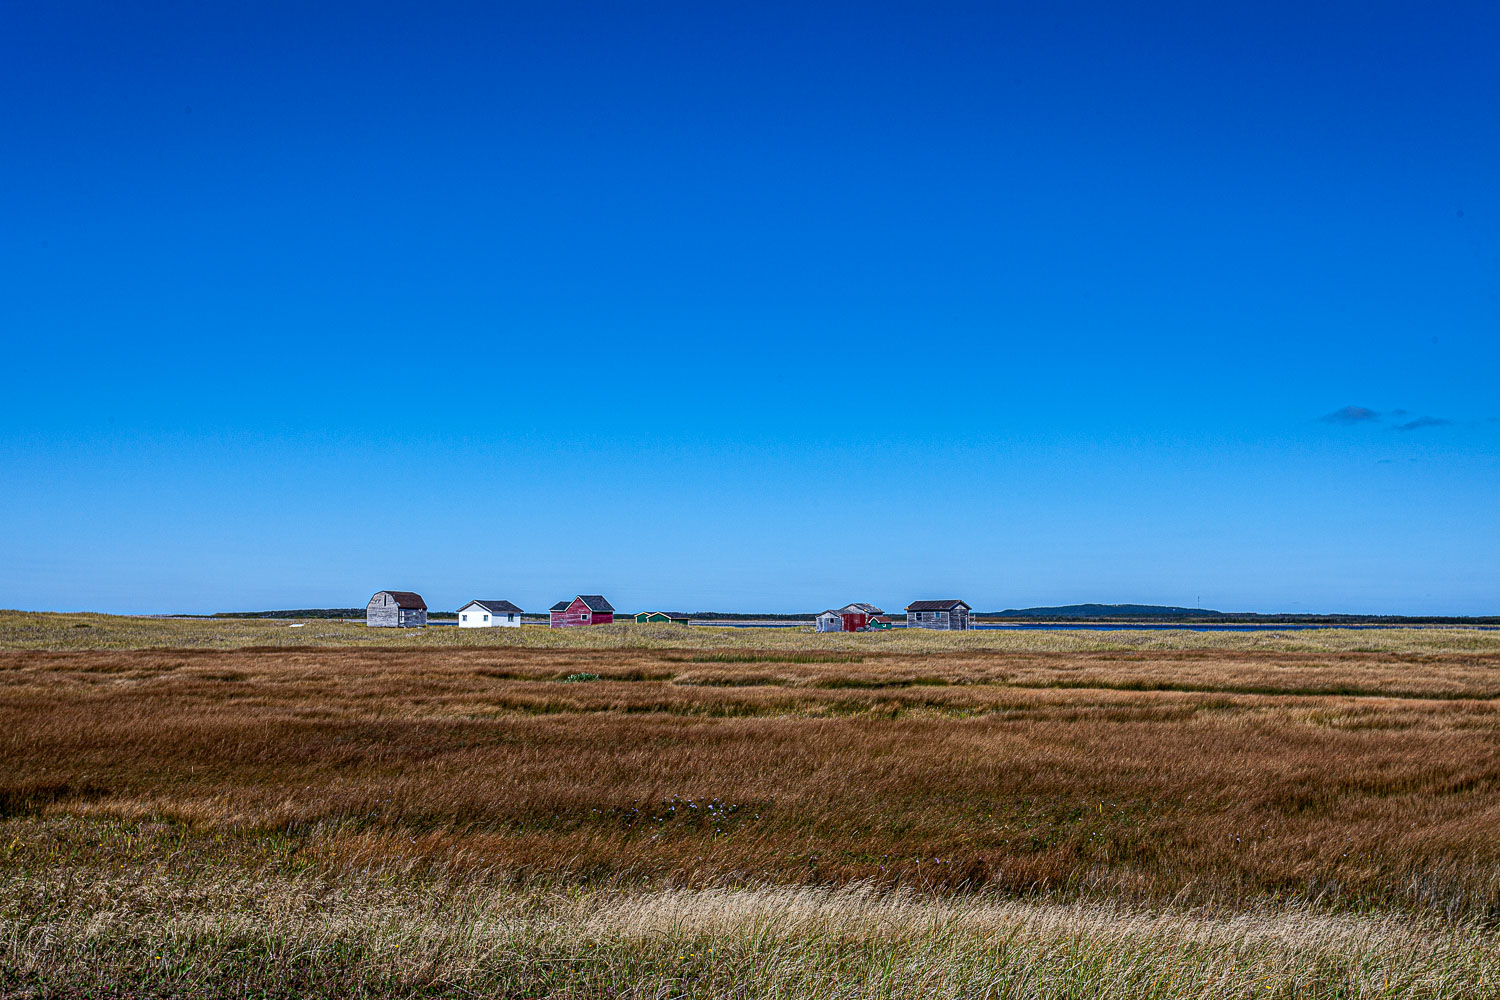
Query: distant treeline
x,y
743,616
1102,613
358,613
293,613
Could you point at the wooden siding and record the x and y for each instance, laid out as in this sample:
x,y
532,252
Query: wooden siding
x,y
577,614
382,612
942,621
480,616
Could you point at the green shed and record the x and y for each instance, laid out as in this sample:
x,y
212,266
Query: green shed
x,y
663,617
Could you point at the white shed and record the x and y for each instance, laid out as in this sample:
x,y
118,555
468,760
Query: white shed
x,y
830,621
489,614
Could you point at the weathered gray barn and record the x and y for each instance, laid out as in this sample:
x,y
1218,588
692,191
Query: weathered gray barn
x,y
396,609
945,616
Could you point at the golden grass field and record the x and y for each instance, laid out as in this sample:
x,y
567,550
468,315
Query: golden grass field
x,y
243,808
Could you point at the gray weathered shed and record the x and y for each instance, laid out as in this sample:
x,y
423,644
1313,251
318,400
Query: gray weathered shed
x,y
828,621
945,616
396,609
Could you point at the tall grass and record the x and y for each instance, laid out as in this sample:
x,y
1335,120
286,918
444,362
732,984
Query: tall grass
x,y
1065,774
194,924
760,657
45,630
762,819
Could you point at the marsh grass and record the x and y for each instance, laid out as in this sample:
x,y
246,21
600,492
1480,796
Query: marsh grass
x,y
1073,775
249,917
754,657
760,819
46,630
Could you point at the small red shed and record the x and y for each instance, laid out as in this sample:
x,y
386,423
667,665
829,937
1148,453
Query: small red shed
x,y
585,609
857,617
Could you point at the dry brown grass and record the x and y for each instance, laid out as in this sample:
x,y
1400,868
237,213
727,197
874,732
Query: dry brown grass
x,y
92,909
1229,777
207,808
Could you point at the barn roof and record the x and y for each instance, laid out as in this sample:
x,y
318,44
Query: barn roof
x,y
406,599
560,606
936,606
498,607
859,608
596,603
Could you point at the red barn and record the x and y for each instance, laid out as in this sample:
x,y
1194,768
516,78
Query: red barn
x,y
585,609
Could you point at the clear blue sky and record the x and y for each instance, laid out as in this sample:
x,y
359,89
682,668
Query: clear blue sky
x,y
756,306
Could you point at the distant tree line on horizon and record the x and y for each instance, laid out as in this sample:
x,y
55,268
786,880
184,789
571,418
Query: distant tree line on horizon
x,y
1102,613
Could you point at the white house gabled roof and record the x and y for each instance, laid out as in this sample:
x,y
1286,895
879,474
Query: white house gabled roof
x,y
495,607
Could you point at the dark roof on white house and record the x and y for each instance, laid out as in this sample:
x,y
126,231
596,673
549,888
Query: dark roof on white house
x,y
498,607
596,603
936,606
560,606
406,599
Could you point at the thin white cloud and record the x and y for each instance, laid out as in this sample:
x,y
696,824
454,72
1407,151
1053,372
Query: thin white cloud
x,y
1421,423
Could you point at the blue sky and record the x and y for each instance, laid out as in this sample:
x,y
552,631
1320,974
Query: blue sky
x,y
764,307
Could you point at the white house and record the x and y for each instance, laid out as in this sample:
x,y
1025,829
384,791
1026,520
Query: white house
x,y
489,614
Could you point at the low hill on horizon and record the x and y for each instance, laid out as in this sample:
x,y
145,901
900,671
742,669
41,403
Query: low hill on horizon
x,y
1102,611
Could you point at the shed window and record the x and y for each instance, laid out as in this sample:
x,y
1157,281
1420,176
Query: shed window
x,y
464,617
486,617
